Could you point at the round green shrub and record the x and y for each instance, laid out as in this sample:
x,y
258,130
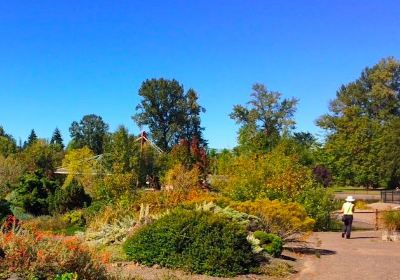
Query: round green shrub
x,y
271,243
199,241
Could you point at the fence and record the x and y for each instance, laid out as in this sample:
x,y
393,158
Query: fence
x,y
372,219
392,196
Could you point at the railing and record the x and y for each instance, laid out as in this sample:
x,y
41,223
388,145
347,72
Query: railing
x,y
392,196
373,218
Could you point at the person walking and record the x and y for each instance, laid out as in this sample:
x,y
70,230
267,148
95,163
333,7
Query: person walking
x,y
347,210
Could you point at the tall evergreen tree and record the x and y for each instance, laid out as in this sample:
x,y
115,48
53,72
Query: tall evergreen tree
x,y
32,138
193,128
56,139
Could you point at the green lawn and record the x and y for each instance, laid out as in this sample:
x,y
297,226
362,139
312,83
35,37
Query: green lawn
x,y
355,190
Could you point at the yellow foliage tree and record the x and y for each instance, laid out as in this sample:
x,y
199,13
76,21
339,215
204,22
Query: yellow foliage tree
x,y
80,166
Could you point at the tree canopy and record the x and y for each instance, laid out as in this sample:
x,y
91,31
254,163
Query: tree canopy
x,y
90,131
7,143
264,119
169,113
362,126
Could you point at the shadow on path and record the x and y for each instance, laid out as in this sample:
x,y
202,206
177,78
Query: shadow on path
x,y
364,237
288,258
311,251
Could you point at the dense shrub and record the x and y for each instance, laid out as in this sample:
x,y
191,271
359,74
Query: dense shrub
x,y
182,179
271,243
391,220
286,220
199,241
71,197
4,209
37,255
33,192
274,176
319,204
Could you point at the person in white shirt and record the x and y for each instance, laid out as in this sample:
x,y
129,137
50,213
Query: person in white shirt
x,y
347,210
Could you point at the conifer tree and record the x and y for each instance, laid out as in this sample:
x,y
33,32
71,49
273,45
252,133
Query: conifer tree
x,y
32,138
56,139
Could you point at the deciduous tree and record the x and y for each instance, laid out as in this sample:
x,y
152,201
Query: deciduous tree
x,y
361,127
169,113
7,143
264,119
90,131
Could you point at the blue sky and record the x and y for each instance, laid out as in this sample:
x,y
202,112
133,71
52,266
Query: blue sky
x,y
61,60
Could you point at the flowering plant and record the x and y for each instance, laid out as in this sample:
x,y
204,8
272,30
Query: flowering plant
x,y
37,254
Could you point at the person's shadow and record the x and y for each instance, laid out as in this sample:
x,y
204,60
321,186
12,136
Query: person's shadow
x,y
364,237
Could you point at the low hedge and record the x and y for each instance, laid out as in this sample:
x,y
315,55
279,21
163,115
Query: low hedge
x,y
198,241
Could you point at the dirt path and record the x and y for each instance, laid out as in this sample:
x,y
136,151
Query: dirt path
x,y
156,273
363,257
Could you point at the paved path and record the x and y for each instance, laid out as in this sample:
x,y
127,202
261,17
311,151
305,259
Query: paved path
x,y
363,257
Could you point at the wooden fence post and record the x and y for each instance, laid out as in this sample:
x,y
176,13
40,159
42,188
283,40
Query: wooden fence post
x,y
376,219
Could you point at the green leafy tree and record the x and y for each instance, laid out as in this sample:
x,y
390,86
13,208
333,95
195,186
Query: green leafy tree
x,y
305,139
264,120
361,127
11,169
56,139
90,131
390,153
40,155
122,160
7,143
168,112
121,151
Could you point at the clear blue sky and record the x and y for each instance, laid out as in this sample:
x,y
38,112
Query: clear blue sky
x,y
61,60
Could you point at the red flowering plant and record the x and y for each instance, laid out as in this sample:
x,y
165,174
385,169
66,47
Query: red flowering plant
x,y
11,223
36,254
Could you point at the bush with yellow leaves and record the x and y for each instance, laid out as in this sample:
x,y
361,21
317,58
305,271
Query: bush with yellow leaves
x,y
287,220
182,179
273,175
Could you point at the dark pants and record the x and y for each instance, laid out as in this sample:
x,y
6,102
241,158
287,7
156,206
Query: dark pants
x,y
348,221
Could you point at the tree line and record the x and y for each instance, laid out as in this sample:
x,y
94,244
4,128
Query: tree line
x,y
360,148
